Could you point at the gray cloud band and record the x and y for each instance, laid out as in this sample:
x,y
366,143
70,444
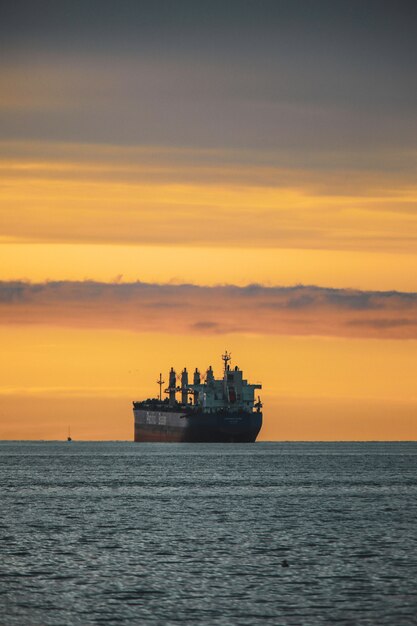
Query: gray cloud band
x,y
148,307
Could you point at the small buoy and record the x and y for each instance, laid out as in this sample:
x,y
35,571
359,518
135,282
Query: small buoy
x,y
285,563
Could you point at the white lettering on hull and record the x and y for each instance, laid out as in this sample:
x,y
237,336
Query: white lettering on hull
x,y
152,417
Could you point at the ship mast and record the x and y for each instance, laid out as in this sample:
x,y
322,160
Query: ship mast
x,y
160,382
226,358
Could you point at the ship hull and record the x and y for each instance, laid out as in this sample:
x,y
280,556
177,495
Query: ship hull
x,y
173,426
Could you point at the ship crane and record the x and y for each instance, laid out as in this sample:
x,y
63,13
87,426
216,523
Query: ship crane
x,y
172,389
160,382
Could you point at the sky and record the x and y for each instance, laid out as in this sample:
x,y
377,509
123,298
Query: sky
x,y
179,178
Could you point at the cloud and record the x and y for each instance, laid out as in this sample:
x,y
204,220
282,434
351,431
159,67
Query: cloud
x,y
178,101
254,309
383,323
203,325
212,74
101,194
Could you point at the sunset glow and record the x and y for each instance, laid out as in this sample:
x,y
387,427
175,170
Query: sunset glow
x,y
161,204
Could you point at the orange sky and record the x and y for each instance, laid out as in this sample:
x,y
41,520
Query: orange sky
x,y
164,198
335,361
313,387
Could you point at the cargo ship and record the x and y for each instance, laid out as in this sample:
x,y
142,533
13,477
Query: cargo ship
x,y
209,410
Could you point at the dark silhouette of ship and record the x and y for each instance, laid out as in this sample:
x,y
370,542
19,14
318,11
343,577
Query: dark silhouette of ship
x,y
212,410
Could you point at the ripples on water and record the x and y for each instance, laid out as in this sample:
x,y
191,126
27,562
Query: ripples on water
x,y
124,533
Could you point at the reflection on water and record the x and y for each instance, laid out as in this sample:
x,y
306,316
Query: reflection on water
x,y
119,533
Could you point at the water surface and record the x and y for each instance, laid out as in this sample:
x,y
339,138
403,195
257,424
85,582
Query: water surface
x,y
124,533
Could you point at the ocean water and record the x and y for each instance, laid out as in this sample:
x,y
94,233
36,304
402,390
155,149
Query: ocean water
x,y
124,533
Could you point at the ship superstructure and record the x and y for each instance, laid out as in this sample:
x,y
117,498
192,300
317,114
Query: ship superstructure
x,y
206,410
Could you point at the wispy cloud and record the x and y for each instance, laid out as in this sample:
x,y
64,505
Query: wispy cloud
x,y
225,74
146,307
77,193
